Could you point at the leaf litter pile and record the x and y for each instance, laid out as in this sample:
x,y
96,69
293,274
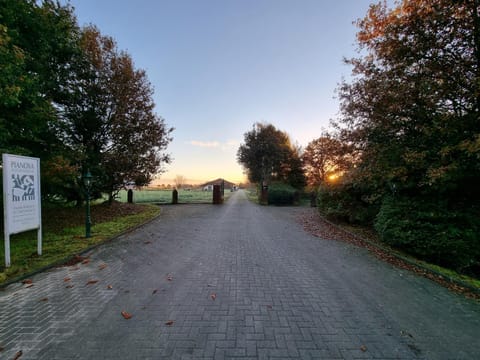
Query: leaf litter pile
x,y
56,219
316,225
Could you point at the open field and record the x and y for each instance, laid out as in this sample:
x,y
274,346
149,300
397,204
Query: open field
x,y
165,196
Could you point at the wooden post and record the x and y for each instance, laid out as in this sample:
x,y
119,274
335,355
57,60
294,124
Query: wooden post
x,y
264,195
174,196
217,194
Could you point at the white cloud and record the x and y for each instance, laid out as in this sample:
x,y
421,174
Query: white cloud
x,y
215,144
206,144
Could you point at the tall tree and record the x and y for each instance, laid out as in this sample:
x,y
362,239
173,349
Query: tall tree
x,y
413,107
37,43
412,110
323,157
110,124
268,154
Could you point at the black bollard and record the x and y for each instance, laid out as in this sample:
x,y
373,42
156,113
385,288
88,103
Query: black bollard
x,y
313,199
174,196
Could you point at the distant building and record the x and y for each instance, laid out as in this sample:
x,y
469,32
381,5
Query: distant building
x,y
208,186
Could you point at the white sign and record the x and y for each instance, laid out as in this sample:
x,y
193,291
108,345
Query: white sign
x,y
21,198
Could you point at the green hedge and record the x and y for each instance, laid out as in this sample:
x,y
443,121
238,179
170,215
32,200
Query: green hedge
x,y
431,232
282,194
347,202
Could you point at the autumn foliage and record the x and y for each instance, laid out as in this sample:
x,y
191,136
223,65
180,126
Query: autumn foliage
x,y
69,96
411,112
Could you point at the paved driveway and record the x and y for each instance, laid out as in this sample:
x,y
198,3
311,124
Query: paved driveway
x,y
234,281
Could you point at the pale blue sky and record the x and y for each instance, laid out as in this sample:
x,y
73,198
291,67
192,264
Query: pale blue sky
x,y
218,66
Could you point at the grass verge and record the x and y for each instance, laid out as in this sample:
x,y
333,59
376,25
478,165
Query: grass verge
x,y
64,236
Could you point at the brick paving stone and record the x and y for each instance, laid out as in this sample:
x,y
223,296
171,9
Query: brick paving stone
x,y
279,293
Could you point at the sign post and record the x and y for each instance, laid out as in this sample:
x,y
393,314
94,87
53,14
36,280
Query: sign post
x,y
21,198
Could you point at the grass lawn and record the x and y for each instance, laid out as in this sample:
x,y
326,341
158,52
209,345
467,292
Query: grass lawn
x,y
165,196
64,235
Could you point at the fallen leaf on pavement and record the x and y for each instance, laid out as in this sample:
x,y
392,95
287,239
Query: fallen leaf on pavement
x,y
269,307
44,299
67,279
85,261
126,315
28,286
103,266
154,291
363,348
213,296
91,282
169,277
17,355
27,281
74,260
69,286
109,287
1,348
147,242
169,323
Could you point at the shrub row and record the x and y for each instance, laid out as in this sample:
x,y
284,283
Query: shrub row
x,y
282,194
431,231
424,227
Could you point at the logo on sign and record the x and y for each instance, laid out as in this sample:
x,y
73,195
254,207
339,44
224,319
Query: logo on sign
x,y
23,187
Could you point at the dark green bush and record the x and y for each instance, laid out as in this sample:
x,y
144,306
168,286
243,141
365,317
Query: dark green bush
x,y
430,231
282,194
347,202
